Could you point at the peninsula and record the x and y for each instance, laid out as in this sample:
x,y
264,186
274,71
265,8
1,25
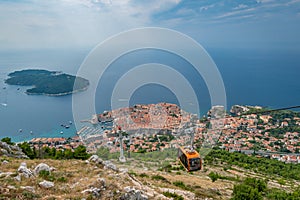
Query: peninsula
x,y
50,83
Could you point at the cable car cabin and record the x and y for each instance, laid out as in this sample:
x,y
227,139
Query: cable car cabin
x,y
189,158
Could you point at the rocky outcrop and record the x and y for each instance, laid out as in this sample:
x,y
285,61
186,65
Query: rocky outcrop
x,y
11,151
24,171
96,192
237,109
95,159
28,188
216,112
41,167
46,184
96,188
109,165
133,194
5,162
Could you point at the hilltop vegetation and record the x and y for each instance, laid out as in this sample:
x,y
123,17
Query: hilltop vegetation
x,y
157,175
266,166
47,82
51,153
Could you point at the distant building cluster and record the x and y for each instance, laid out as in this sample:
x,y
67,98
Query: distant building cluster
x,y
155,127
57,143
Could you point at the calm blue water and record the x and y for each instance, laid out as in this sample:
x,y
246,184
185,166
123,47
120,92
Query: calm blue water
x,y
252,77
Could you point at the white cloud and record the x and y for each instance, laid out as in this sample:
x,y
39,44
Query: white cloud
x,y
204,8
236,12
72,22
240,6
60,23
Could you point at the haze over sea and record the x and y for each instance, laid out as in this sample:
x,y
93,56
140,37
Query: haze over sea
x,y
251,77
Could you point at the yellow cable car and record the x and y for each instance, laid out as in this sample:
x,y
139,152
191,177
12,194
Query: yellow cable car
x,y
189,158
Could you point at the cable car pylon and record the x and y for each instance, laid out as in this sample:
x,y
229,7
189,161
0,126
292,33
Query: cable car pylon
x,y
122,157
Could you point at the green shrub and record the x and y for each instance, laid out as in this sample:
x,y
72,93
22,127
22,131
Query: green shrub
x,y
159,178
250,189
213,176
144,175
62,179
30,195
7,140
46,175
132,173
179,184
173,195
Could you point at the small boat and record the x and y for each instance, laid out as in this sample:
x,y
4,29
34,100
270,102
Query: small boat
x,y
31,132
4,104
66,126
18,89
61,132
20,130
70,122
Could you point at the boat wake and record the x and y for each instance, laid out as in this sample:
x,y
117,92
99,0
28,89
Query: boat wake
x,y
4,104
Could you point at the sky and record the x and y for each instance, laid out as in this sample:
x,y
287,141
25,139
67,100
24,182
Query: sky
x,y
36,24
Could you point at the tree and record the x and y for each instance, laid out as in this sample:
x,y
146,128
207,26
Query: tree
x,y
52,152
59,154
250,189
68,154
7,140
213,176
27,150
46,152
246,192
259,184
80,153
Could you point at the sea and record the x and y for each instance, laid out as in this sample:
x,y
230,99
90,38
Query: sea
x,y
264,77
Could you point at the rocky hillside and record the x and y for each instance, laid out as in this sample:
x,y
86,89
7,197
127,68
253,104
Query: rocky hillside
x,y
98,179
139,178
11,151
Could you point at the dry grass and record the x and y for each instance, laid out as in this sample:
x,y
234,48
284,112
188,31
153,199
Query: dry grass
x,y
197,182
71,177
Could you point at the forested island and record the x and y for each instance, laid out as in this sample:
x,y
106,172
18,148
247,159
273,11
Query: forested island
x,y
44,82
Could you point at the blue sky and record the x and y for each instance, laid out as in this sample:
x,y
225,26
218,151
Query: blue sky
x,y
29,24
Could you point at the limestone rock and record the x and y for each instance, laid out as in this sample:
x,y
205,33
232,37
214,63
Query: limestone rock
x,y
41,167
11,150
95,159
28,188
11,187
46,184
18,178
109,165
94,191
23,164
4,162
5,174
4,145
101,182
133,194
123,170
24,171
4,152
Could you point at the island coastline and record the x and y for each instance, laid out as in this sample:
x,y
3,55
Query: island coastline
x,y
48,83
